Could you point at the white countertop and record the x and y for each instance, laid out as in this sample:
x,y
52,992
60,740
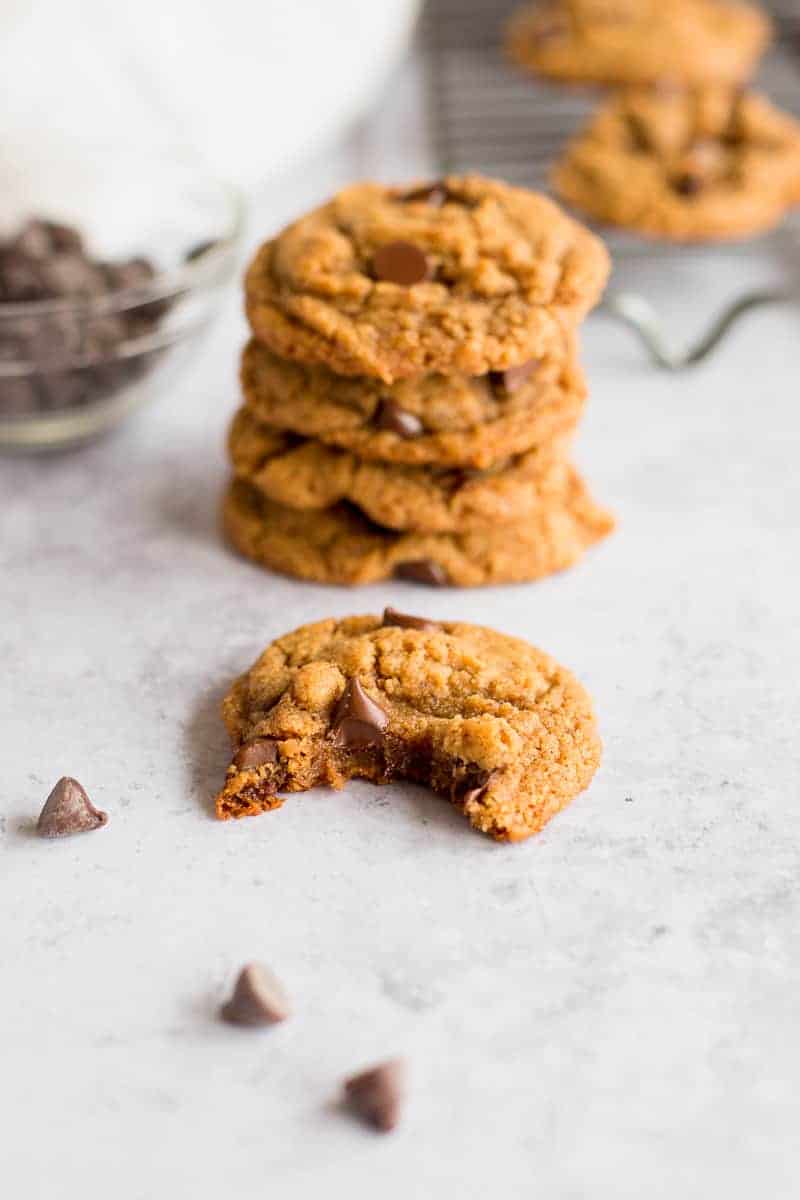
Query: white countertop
x,y
608,1011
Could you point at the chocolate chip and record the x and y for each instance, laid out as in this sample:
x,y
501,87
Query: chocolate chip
x,y
422,570
435,194
391,417
68,810
136,272
21,277
687,184
40,239
357,719
468,785
258,752
512,379
400,262
376,1095
392,617
258,998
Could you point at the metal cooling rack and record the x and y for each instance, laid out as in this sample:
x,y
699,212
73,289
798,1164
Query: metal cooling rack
x,y
488,116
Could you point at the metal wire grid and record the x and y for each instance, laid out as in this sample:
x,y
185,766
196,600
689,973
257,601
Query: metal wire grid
x,y
489,117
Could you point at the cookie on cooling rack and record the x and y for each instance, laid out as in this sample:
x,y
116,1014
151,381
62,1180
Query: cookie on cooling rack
x,y
699,164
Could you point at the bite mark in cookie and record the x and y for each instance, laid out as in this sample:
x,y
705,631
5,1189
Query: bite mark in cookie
x,y
485,720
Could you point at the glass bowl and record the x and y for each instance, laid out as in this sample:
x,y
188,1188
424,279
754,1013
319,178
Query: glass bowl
x,y
165,237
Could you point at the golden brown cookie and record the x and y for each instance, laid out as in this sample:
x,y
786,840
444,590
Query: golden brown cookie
x,y
340,544
466,275
307,474
486,720
639,41
447,420
699,164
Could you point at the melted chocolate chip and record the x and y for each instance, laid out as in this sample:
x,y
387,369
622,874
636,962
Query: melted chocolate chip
x,y
376,1095
258,998
513,378
258,752
391,417
435,194
466,789
68,810
392,617
357,719
423,570
402,263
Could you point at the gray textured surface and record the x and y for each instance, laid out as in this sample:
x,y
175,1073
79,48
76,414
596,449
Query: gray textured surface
x,y
606,1012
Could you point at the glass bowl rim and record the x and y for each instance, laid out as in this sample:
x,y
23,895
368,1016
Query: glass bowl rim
x,y
164,284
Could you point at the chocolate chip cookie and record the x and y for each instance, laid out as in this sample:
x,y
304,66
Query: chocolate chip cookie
x,y
448,420
307,474
467,275
486,720
341,545
696,164
639,41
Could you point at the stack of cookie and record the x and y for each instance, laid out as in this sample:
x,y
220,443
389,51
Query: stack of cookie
x,y
412,386
682,150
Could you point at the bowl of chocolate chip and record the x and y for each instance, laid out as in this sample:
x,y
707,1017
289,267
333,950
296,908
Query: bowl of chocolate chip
x,y
104,292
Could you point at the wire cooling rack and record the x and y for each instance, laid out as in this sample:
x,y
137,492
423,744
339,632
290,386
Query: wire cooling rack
x,y
488,116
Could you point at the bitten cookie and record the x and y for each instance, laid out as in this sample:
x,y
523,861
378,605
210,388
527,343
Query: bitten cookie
x,y
639,41
702,164
485,720
446,420
310,475
467,274
340,545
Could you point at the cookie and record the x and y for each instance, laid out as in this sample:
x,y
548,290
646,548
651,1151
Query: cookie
x,y
466,275
700,164
341,545
310,475
639,41
486,720
451,421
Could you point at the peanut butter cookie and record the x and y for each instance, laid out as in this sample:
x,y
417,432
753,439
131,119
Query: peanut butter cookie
x,y
701,164
639,41
310,475
486,720
341,545
448,420
466,275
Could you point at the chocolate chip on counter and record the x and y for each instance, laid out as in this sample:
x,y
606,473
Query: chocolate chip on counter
x,y
258,752
391,417
357,719
258,998
512,379
376,1095
422,570
435,194
400,262
392,617
68,810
